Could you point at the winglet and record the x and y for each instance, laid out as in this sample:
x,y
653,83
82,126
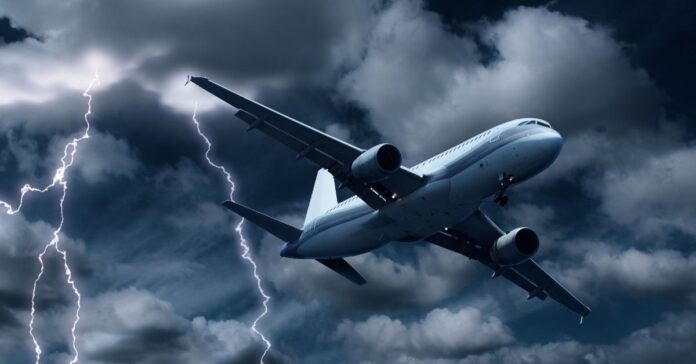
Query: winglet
x,y
197,80
188,79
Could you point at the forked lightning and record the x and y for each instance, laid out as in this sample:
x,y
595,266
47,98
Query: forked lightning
x,y
246,252
59,181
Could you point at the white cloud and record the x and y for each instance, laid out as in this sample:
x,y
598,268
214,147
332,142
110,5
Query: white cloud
x,y
668,340
441,334
653,197
425,83
654,273
36,72
133,325
237,43
102,156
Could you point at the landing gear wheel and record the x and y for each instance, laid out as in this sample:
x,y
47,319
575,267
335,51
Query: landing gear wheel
x,y
505,182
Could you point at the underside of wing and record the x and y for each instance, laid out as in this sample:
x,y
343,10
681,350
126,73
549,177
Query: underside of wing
x,y
546,284
342,267
475,236
327,152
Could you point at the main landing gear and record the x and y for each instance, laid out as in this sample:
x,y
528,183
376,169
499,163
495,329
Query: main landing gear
x,y
500,197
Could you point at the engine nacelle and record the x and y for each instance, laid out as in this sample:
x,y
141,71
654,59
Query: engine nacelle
x,y
376,163
515,247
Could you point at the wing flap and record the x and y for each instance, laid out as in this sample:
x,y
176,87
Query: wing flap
x,y
254,111
520,280
545,282
315,154
328,152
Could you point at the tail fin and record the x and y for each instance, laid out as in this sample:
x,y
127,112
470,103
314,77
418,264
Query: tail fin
x,y
323,196
278,228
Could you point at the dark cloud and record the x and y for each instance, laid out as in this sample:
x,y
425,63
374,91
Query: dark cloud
x,y
431,276
665,341
7,318
10,33
277,42
154,253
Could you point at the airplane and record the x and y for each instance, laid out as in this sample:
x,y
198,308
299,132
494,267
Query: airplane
x,y
437,201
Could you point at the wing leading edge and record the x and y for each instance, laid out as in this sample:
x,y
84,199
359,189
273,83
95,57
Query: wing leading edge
x,y
473,238
328,152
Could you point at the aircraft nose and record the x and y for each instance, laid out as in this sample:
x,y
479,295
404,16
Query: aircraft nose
x,y
551,145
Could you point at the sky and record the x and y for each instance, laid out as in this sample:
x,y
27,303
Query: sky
x,y
155,255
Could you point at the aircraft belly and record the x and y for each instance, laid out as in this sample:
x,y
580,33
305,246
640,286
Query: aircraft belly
x,y
478,181
347,239
425,211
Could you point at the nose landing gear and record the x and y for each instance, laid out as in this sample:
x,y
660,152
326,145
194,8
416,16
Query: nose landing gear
x,y
500,197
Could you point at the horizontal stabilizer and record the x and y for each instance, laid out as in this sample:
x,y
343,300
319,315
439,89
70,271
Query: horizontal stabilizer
x,y
277,228
342,267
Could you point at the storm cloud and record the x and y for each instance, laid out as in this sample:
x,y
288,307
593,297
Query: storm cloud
x,y
156,258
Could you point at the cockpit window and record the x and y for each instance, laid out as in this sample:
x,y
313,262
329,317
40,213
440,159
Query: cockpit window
x,y
532,122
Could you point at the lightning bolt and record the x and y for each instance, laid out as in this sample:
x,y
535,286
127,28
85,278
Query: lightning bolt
x,y
246,251
59,181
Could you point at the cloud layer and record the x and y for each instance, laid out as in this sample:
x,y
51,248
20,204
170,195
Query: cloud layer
x,y
155,256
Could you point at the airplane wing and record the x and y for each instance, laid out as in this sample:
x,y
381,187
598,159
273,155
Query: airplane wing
x,y
328,152
340,266
473,238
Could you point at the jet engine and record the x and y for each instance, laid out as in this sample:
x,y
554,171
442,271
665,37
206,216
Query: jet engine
x,y
376,163
515,247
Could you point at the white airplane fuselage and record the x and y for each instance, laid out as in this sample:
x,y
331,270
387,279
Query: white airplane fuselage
x,y
457,180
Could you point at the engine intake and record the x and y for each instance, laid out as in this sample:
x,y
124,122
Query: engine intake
x,y
515,247
376,163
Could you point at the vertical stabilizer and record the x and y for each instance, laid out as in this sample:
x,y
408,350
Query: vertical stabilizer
x,y
323,196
